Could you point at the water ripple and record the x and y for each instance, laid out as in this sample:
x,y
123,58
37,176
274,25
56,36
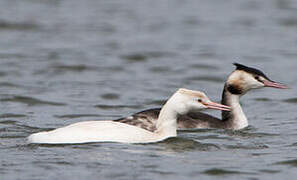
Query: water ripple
x,y
157,102
269,171
104,106
263,99
73,116
21,26
30,101
143,56
73,68
8,122
219,172
292,163
245,133
249,146
179,144
206,78
289,22
8,84
290,100
159,69
11,115
110,96
204,66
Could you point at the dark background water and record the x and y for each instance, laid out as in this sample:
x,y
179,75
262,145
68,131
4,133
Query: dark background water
x,y
64,61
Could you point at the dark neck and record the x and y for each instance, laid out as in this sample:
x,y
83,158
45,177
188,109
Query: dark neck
x,y
234,119
226,115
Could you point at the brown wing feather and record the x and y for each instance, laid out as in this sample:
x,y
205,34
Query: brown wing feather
x,y
147,119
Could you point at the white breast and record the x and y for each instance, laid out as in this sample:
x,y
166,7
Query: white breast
x,y
95,131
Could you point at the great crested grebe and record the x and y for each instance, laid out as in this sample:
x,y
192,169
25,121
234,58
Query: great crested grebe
x,y
238,83
181,102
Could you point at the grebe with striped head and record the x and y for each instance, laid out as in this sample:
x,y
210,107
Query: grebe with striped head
x,y
181,102
239,82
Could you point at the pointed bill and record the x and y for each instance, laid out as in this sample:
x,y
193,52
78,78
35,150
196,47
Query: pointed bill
x,y
212,105
275,85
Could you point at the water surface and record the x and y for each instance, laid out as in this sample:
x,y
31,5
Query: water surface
x,y
68,61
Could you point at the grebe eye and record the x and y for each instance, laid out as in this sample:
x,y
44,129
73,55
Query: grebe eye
x,y
200,100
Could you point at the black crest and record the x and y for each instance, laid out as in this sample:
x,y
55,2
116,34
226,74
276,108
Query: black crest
x,y
250,70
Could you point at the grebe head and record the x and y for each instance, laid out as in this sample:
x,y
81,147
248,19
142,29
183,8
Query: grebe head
x,y
189,100
246,78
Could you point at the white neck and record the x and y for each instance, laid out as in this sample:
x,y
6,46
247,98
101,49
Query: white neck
x,y
167,120
239,119
236,118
